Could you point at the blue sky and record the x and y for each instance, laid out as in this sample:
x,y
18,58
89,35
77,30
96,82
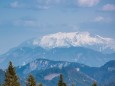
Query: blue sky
x,y
21,20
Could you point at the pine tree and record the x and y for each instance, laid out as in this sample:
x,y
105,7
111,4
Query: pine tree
x,y
60,82
40,84
31,81
94,84
73,85
11,79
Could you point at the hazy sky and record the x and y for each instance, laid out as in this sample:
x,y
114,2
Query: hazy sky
x,y
21,20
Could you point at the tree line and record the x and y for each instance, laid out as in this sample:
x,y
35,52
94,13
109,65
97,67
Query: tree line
x,y
11,79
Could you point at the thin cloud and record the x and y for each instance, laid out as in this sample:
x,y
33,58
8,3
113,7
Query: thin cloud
x,y
15,4
46,4
42,7
99,19
108,7
88,3
102,19
26,23
50,2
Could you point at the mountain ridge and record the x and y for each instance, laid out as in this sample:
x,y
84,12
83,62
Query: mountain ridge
x,y
73,39
86,54
23,55
80,74
73,72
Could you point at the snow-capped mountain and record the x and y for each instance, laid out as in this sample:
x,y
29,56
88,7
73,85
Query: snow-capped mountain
x,y
74,39
81,47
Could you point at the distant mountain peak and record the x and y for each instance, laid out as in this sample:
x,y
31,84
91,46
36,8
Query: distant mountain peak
x,y
75,39
81,47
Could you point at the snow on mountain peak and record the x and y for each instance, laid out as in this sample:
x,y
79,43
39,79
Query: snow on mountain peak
x,y
72,39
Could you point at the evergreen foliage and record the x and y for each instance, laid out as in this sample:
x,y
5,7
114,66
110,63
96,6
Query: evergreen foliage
x,y
73,85
94,84
40,84
31,81
60,82
11,79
